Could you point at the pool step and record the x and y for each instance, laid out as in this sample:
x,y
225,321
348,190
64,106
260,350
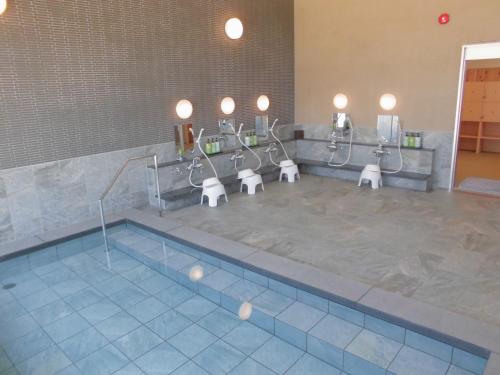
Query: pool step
x,y
349,340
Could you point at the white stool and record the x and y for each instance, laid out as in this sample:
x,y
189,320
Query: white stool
x,y
252,182
371,173
213,189
290,169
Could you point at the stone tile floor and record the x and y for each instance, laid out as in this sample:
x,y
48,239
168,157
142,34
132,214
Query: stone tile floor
x,y
439,248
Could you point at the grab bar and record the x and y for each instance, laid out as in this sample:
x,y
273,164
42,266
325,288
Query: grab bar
x,y
112,183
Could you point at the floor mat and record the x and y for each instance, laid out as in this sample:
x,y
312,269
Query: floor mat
x,y
480,185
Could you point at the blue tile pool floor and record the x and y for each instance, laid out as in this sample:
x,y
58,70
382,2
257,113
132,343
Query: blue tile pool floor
x,y
69,313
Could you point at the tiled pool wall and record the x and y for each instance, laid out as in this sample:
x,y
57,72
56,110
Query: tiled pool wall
x,y
333,332
350,340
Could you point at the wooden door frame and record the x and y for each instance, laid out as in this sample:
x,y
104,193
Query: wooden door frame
x,y
479,51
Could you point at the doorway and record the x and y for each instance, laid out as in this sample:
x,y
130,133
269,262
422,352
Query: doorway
x,y
476,157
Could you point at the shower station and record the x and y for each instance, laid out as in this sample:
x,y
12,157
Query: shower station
x,y
388,132
288,166
249,177
341,127
212,187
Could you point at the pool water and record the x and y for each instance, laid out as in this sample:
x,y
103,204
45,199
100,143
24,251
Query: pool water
x,y
155,306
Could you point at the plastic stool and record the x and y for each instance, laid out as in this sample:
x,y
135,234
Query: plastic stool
x,y
286,163
213,189
252,182
371,173
290,170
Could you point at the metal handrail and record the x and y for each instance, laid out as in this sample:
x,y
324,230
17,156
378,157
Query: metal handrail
x,y
112,183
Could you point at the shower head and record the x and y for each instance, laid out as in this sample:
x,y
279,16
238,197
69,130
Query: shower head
x,y
274,123
199,135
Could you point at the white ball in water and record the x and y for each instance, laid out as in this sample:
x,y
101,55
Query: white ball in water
x,y
196,273
245,311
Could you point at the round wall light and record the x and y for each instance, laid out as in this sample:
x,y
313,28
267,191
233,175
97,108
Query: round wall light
x,y
234,28
3,6
340,101
388,102
227,105
184,109
263,103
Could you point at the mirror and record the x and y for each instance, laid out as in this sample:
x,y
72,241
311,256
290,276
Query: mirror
x,y
341,121
341,124
262,126
184,141
388,129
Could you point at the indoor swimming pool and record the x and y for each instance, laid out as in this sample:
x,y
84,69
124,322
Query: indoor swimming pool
x,y
157,306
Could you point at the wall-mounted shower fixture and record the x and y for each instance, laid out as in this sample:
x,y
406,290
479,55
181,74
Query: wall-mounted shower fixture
x,y
212,187
238,158
379,152
288,166
226,126
195,165
248,177
271,148
341,127
389,131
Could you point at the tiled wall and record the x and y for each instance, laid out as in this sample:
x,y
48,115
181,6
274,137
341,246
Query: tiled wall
x,y
47,196
42,197
81,77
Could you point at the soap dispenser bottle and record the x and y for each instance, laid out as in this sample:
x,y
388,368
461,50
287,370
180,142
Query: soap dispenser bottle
x,y
247,140
418,140
254,138
406,140
208,146
217,145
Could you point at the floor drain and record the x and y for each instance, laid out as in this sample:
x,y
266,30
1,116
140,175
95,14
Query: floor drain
x,y
9,286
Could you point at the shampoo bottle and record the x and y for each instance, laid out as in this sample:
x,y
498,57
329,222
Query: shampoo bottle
x,y
208,146
418,140
406,140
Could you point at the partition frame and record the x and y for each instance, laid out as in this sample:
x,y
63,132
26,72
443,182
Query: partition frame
x,y
478,51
